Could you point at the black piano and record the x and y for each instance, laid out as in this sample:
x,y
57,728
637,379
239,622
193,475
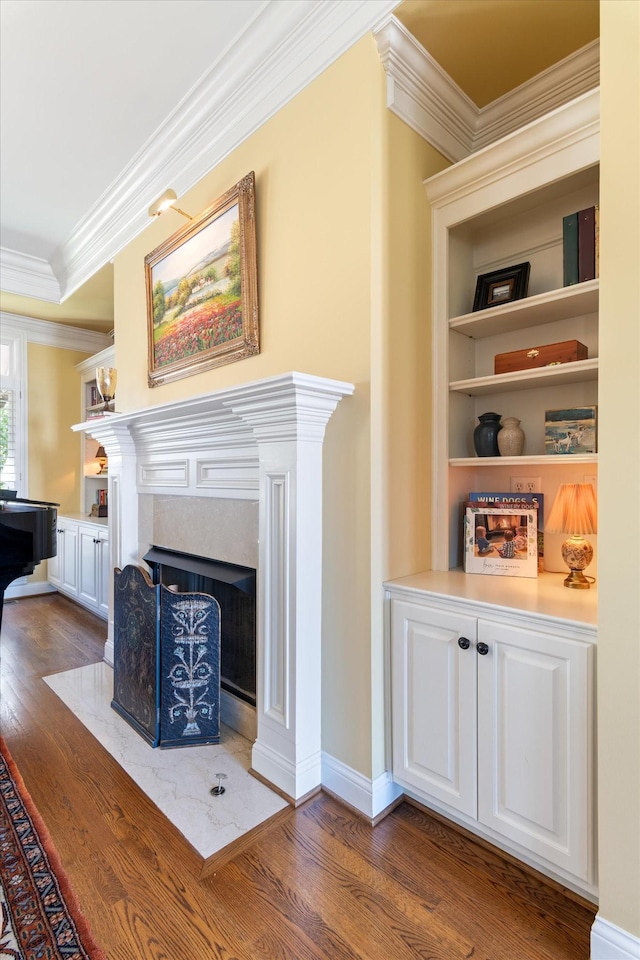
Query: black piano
x,y
27,536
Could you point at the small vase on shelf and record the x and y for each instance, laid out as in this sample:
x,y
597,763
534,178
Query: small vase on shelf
x,y
511,438
485,435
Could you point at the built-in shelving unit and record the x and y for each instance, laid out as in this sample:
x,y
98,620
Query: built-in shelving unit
x,y
499,207
92,480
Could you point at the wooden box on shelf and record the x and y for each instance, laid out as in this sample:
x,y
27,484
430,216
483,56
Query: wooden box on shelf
x,y
545,356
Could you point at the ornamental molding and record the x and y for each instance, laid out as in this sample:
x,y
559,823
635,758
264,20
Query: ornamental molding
x,y
209,446
53,334
286,47
422,94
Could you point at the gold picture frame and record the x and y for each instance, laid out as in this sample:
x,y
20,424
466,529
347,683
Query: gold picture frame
x,y
202,290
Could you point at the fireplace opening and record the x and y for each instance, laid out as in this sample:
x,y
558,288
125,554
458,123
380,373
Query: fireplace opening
x,y
234,587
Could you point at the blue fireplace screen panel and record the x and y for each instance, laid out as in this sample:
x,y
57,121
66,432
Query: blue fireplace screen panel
x,y
135,665
166,661
189,668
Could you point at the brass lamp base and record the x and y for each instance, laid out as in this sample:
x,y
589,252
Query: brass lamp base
x,y
577,581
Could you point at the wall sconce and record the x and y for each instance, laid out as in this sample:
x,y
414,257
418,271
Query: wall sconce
x,y
168,199
575,511
101,457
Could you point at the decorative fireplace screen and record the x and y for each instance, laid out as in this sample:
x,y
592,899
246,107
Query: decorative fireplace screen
x,y
234,587
166,661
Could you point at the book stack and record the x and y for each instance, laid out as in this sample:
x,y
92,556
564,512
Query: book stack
x,y
98,410
580,246
102,501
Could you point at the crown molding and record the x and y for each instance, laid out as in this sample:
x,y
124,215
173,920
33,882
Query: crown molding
x,y
573,126
53,334
423,95
285,48
431,103
564,81
28,276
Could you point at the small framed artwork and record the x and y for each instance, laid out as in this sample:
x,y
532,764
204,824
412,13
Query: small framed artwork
x,y
501,286
571,430
202,290
501,541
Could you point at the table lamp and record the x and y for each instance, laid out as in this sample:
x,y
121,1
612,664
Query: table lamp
x,y
575,511
101,457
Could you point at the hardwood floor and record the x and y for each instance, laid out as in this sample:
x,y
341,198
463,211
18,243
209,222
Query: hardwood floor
x,y
322,884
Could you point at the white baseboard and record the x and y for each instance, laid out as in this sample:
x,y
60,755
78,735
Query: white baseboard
x,y
108,652
369,797
609,942
15,592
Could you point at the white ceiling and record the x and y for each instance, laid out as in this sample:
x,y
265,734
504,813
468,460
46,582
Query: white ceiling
x,y
105,104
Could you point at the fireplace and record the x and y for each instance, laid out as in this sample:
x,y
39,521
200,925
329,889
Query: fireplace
x,y
260,442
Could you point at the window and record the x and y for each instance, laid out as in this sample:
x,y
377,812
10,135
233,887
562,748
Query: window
x,y
13,439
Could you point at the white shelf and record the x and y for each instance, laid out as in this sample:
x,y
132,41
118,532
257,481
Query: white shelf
x,y
578,371
563,304
532,460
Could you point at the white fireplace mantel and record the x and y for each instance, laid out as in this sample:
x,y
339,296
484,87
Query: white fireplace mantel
x,y
260,441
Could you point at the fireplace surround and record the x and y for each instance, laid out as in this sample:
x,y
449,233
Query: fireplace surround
x,y
260,442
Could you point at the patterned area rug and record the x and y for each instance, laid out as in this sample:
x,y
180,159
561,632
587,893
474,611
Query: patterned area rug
x,y
39,916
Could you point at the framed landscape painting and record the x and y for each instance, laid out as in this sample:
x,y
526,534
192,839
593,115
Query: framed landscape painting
x,y
202,290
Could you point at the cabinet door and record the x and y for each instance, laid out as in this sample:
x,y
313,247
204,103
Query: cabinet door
x,y
434,703
53,563
88,558
535,743
67,552
104,571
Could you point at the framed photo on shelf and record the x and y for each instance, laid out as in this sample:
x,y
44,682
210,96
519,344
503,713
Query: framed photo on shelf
x,y
501,540
511,500
202,290
501,286
570,430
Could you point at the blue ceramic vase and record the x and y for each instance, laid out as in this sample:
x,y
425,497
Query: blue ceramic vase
x,y
485,435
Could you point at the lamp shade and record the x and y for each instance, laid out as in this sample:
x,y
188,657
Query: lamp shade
x,y
575,510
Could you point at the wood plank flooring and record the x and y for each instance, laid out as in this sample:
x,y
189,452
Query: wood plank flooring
x,y
322,885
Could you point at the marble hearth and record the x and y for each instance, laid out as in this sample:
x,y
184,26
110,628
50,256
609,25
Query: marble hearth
x,y
241,469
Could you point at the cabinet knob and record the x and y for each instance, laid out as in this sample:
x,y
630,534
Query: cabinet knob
x,y
483,649
463,643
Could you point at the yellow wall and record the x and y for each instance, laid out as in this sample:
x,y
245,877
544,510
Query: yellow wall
x,y
343,251
314,185
53,404
619,471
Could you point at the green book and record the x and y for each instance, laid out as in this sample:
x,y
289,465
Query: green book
x,y
570,269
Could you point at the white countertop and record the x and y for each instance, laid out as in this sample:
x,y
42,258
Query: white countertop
x,y
544,595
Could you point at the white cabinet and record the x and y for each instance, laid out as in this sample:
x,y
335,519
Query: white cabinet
x,y
63,569
492,722
81,569
534,742
434,703
93,566
499,207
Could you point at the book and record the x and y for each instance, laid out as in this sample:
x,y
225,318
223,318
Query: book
x,y
570,270
504,498
587,244
501,539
